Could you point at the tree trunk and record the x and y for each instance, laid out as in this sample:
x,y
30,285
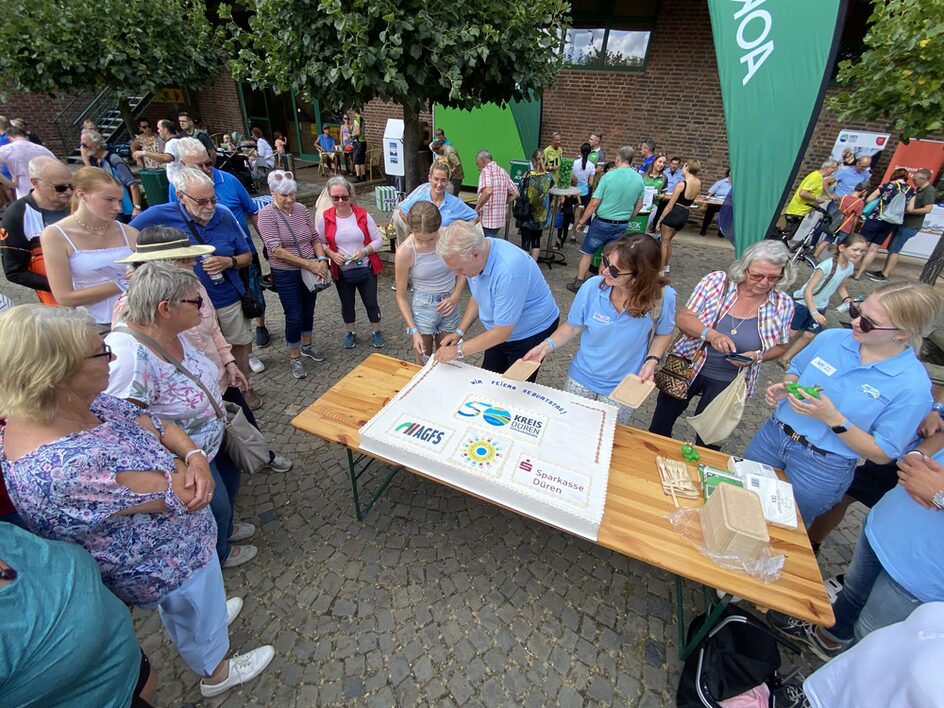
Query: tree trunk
x,y
127,115
411,148
932,269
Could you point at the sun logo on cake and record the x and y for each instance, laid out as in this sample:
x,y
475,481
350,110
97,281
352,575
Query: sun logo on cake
x,y
482,453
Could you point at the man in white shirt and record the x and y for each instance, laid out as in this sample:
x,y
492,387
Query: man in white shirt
x,y
167,129
16,156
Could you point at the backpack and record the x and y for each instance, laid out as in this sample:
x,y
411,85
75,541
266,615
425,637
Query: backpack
x,y
521,209
741,652
834,221
894,211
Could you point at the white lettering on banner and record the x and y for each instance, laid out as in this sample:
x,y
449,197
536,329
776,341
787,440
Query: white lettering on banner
x,y
758,51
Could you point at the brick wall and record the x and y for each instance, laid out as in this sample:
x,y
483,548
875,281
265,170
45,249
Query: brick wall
x,y
39,110
218,106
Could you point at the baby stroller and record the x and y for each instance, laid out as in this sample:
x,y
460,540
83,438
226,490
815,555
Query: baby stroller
x,y
238,165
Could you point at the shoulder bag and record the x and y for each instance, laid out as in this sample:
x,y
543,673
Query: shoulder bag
x,y
675,375
311,281
243,443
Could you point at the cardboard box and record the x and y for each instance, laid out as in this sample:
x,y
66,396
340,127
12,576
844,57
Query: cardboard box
x,y
732,523
741,468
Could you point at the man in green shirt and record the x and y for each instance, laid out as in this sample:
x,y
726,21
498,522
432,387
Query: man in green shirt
x,y
917,208
552,156
616,200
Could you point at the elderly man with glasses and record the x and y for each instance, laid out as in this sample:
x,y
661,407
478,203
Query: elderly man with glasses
x,y
199,216
25,219
97,154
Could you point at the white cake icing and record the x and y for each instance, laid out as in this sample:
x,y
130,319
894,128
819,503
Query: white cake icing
x,y
531,448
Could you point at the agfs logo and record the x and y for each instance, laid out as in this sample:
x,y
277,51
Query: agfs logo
x,y
421,432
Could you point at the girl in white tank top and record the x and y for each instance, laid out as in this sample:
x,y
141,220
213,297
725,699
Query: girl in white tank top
x,y
433,310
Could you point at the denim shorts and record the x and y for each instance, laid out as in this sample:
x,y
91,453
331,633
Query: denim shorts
x,y
803,319
428,319
601,233
901,237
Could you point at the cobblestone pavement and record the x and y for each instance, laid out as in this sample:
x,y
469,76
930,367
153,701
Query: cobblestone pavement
x,y
438,598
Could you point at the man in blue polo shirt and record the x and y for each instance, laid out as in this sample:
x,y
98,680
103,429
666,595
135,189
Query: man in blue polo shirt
x,y
231,193
848,178
198,216
510,297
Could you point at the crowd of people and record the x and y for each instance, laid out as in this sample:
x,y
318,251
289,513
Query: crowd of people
x,y
115,403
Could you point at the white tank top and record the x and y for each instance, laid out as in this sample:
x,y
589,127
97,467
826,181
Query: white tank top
x,y
94,267
430,274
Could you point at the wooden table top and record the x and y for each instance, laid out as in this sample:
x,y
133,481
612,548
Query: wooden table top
x,y
634,521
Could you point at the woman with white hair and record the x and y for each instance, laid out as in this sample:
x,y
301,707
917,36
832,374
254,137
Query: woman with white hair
x,y
289,235
733,319
353,241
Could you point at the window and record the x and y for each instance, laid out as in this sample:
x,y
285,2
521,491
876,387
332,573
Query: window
x,y
611,35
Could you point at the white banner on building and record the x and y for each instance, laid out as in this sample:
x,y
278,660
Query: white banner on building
x,y
858,143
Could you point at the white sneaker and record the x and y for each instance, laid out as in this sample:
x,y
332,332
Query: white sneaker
x,y
241,531
242,668
255,363
233,607
239,555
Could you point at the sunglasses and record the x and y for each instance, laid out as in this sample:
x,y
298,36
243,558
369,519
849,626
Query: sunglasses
x,y
60,188
198,302
614,272
279,176
105,352
865,324
769,278
200,202
342,198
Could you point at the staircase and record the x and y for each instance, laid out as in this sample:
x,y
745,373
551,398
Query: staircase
x,y
103,108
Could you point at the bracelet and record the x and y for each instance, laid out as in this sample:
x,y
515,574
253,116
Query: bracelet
x,y
195,451
704,333
322,258
938,408
231,361
551,342
651,356
412,330
233,259
460,332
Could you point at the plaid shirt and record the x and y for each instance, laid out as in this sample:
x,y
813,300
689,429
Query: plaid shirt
x,y
496,208
707,303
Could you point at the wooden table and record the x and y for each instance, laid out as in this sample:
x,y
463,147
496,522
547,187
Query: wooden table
x,y
634,521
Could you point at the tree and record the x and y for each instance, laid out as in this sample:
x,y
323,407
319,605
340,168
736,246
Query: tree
x,y
460,54
133,46
900,76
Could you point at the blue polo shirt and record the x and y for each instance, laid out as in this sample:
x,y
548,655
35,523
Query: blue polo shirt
x,y
512,291
613,344
847,179
222,232
231,194
326,142
452,208
888,399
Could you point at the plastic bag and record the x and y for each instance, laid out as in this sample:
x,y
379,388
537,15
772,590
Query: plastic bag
x,y
687,524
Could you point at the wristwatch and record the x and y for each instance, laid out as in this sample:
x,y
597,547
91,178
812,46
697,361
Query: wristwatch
x,y
841,428
938,408
938,499
459,354
233,259
652,357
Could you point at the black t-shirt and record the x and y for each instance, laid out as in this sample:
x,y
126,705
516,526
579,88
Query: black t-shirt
x,y
200,135
22,223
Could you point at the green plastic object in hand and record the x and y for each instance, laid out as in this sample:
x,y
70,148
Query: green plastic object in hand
x,y
690,453
797,390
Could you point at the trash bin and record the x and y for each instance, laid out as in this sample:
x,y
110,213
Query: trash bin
x,y
155,185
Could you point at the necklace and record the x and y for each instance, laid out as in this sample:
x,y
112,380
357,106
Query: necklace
x,y
734,328
91,228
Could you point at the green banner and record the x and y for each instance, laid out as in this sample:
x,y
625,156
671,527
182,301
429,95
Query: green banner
x,y
774,62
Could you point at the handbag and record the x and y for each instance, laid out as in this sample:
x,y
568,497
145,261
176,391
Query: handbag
x,y
243,443
250,306
311,281
676,374
720,417
355,274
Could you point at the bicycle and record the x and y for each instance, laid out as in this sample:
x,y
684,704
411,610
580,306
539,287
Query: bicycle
x,y
802,242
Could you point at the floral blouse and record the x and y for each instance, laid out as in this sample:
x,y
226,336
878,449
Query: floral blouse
x,y
140,374
67,490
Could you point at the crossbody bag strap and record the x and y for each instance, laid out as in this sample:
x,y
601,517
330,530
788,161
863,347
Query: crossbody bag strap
x,y
290,230
162,353
240,288
829,277
724,296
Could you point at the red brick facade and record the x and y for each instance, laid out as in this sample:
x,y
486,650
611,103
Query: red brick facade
x,y
39,110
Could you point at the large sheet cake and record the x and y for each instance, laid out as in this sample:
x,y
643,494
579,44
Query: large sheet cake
x,y
531,448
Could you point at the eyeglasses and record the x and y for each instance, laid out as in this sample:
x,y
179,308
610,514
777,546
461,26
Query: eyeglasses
x,y
341,198
613,271
60,188
279,176
865,324
769,278
201,202
144,127
198,302
105,352
208,163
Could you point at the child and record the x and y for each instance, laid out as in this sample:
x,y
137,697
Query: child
x,y
433,312
813,298
851,207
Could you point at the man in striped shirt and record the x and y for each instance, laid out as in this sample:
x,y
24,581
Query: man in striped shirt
x,y
496,191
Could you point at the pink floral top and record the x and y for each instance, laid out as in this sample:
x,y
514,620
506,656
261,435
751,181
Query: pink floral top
x,y
67,490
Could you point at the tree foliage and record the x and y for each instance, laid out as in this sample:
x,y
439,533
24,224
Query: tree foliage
x,y
900,76
460,53
135,46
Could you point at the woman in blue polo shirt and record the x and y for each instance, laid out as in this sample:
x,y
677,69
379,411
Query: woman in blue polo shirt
x,y
626,317
874,395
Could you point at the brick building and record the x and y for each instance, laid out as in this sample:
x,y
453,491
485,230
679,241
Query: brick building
x,y
641,68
